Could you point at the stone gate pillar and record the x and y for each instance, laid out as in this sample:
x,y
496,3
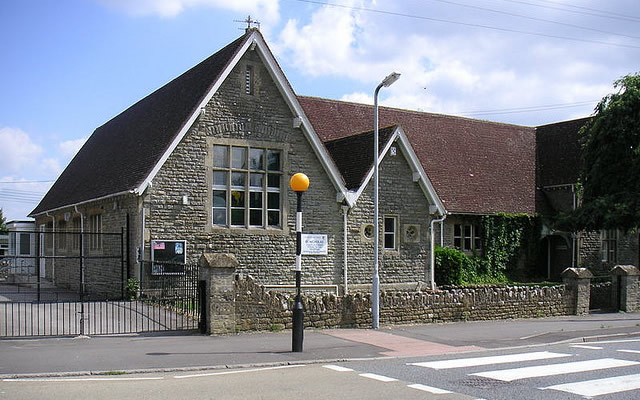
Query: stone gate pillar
x,y
218,272
578,281
625,288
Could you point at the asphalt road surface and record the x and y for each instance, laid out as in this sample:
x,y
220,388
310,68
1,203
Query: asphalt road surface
x,y
608,369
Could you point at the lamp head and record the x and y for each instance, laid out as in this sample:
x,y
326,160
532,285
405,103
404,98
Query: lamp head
x,y
390,79
299,182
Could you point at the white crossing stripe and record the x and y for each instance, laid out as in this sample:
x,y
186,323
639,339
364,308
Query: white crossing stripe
x,y
581,346
630,351
429,389
617,341
377,377
474,362
509,375
239,371
338,368
598,387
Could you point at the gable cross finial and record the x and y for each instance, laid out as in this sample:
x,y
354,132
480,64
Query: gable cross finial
x,y
250,23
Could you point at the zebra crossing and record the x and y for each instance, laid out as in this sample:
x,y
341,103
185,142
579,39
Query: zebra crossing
x,y
552,364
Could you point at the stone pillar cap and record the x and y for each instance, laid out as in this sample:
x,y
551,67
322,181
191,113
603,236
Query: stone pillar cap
x,y
218,260
628,270
578,273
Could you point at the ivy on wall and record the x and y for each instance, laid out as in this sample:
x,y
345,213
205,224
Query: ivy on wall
x,y
506,238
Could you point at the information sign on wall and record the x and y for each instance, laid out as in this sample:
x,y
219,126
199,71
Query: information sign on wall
x,y
314,244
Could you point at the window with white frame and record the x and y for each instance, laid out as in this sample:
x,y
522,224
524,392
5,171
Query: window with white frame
x,y
467,237
390,233
247,185
95,231
609,245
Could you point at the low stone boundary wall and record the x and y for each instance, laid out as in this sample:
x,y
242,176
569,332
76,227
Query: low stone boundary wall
x,y
257,309
235,303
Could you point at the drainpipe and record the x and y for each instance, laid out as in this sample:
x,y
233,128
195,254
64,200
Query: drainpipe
x,y
53,247
82,282
141,248
345,210
549,257
573,234
433,243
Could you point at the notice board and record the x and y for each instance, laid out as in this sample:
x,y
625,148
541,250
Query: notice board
x,y
168,257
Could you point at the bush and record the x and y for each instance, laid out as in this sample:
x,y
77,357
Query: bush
x,y
132,288
453,267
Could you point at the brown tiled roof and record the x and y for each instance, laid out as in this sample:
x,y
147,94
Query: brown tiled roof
x,y
558,152
557,163
121,154
353,155
475,166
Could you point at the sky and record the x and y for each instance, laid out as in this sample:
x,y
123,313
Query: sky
x,y
69,66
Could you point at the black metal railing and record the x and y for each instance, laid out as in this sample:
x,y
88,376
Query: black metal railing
x,y
159,303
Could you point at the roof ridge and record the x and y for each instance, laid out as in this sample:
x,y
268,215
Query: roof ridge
x,y
169,82
408,111
156,119
361,133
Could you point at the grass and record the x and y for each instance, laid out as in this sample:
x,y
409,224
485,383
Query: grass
x,y
114,373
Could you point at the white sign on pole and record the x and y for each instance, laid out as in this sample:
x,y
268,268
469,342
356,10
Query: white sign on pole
x,y
314,244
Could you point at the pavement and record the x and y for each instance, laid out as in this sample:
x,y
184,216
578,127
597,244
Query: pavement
x,y
59,356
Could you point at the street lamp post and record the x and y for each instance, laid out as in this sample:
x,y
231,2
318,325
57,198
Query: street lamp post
x,y
375,296
299,183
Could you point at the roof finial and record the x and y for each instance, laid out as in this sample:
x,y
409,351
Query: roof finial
x,y
251,24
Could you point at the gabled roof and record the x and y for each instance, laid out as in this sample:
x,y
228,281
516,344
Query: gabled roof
x,y
120,154
124,155
353,155
558,152
476,167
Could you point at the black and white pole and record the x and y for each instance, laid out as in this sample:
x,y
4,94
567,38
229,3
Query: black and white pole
x,y
299,183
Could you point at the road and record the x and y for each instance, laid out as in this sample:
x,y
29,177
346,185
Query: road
x,y
286,382
606,369
603,369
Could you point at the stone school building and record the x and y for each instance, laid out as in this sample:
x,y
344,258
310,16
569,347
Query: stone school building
x,y
202,165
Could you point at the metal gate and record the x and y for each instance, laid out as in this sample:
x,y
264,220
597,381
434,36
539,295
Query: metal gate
x,y
32,305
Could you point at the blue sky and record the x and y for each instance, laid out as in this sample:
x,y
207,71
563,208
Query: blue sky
x,y
69,66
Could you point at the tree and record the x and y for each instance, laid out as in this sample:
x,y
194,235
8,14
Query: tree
x,y
3,221
610,172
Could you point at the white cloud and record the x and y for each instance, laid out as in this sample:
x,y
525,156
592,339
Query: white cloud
x,y
358,97
18,150
30,169
267,10
69,148
446,70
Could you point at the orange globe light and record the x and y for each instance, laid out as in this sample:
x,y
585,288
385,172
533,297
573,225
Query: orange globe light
x,y
299,182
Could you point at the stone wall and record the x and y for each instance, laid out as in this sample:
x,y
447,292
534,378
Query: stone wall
x,y
403,199
257,309
590,251
263,120
103,270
